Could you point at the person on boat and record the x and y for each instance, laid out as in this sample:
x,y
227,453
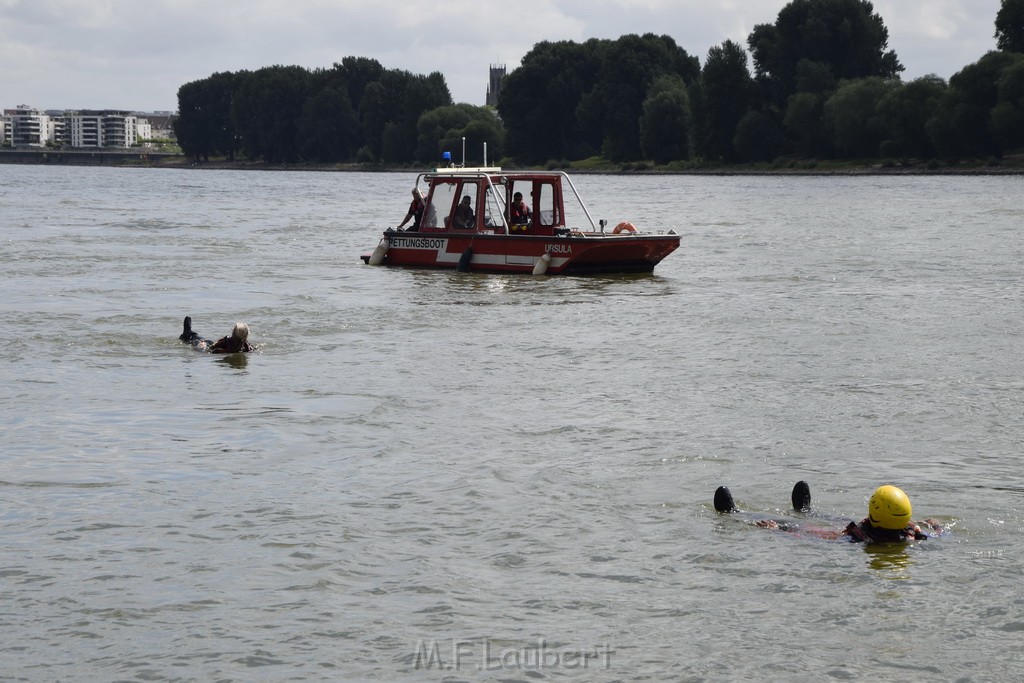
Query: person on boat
x,y
415,211
888,519
464,216
236,343
518,212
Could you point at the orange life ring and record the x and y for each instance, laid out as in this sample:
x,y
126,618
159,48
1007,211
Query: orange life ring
x,y
624,226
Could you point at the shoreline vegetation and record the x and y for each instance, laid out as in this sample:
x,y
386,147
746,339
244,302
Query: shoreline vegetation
x,y
1008,165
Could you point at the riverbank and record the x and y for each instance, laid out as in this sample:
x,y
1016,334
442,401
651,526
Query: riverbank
x,y
80,157
1009,165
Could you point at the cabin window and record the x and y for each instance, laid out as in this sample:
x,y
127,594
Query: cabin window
x,y
517,220
442,203
547,205
493,208
464,215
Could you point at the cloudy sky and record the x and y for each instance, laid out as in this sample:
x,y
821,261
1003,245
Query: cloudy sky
x,y
134,54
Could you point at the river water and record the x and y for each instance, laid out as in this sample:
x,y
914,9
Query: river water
x,y
432,475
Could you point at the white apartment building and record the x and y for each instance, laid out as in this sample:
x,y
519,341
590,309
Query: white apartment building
x,y
26,126
106,128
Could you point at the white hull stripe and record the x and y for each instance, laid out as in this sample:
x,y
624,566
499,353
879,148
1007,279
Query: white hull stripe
x,y
442,256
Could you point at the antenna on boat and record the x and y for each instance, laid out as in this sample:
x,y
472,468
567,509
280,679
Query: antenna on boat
x,y
463,151
485,155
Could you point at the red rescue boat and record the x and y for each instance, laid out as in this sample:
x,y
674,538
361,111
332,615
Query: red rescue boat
x,y
489,220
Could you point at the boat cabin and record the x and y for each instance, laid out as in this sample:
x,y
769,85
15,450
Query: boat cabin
x,y
489,201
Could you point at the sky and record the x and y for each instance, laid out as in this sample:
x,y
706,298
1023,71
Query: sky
x,y
135,54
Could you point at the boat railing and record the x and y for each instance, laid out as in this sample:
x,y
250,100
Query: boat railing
x,y
583,204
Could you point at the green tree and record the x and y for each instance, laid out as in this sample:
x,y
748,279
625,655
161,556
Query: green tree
x,y
1010,26
204,126
352,76
442,129
853,118
664,124
804,123
570,101
845,39
726,91
540,101
1007,117
905,112
481,130
629,66
814,77
391,107
962,126
758,138
191,125
266,112
328,127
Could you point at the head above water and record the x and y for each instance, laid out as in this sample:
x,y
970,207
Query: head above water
x,y
889,508
466,199
240,331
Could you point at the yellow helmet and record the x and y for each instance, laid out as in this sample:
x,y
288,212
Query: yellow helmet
x,y
889,508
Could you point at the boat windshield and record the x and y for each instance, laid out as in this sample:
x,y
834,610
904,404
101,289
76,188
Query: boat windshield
x,y
494,206
547,205
453,203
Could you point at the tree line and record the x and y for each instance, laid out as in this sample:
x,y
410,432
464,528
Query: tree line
x,y
356,110
824,86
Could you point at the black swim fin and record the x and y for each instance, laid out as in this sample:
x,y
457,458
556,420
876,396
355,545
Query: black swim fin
x,y
191,337
186,333
723,500
801,496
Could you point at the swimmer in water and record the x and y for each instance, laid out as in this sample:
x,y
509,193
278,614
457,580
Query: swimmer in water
x,y
888,519
237,342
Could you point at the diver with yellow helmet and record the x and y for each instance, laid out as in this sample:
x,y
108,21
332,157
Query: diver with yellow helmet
x,y
889,517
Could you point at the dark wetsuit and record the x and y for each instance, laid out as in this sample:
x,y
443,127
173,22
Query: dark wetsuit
x,y
231,345
866,533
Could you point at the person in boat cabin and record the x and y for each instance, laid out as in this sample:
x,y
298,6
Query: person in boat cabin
x,y
415,211
464,216
518,212
236,343
888,519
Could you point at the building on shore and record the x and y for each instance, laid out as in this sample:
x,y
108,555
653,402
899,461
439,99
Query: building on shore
x,y
102,128
26,126
161,125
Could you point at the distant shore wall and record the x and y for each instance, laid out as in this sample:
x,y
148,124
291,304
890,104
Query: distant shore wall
x,y
82,157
